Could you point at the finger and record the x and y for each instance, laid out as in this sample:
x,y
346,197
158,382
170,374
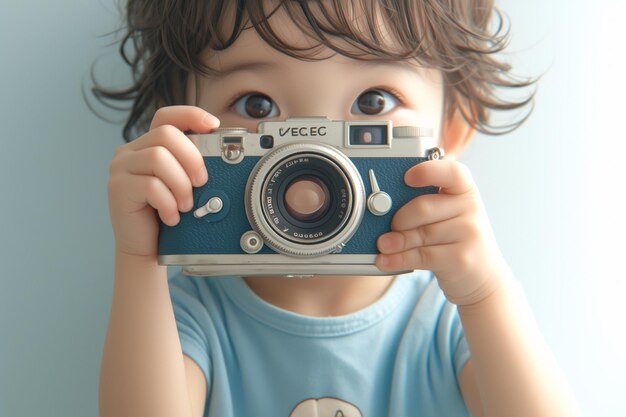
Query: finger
x,y
424,257
450,175
426,209
143,190
185,118
159,161
446,232
179,145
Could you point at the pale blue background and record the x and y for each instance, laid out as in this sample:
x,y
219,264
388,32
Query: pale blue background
x,y
553,189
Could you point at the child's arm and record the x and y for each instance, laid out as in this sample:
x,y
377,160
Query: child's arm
x,y
512,368
144,372
511,372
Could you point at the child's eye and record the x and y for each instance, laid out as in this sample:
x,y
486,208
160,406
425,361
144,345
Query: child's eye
x,y
374,102
256,106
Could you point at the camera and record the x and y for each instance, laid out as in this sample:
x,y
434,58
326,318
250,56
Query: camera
x,y
300,197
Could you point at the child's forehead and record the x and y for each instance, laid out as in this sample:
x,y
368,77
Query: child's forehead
x,y
251,54
295,34
251,51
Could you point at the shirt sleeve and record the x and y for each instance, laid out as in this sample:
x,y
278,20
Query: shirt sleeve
x,y
192,321
451,342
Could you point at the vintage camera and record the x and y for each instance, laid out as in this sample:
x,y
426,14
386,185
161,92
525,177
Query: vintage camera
x,y
305,196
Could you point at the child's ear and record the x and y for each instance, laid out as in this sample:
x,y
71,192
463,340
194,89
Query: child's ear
x,y
456,134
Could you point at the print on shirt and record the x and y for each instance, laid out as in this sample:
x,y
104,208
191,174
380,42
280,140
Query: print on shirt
x,y
325,407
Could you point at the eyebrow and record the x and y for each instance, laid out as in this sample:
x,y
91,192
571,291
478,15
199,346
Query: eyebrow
x,y
246,66
268,65
406,65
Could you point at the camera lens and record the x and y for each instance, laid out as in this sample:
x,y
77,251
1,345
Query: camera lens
x,y
307,198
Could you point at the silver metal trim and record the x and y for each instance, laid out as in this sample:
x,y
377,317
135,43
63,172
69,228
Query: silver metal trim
x,y
334,135
411,132
274,264
230,130
268,259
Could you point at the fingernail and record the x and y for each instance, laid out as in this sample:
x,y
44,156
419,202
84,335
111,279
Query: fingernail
x,y
188,204
174,220
385,242
202,176
210,120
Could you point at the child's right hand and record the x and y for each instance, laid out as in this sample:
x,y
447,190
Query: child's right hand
x,y
155,173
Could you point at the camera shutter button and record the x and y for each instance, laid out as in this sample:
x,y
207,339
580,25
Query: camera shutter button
x,y
379,202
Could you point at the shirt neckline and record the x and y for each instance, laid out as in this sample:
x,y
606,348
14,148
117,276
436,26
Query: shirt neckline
x,y
287,321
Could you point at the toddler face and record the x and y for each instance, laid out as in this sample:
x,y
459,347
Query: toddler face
x,y
258,83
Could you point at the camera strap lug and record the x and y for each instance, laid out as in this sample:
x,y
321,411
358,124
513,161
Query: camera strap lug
x,y
434,153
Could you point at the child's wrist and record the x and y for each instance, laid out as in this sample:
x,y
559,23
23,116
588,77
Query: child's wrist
x,y
141,261
491,284
501,286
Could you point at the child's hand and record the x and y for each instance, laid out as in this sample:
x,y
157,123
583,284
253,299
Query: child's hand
x,y
448,233
156,172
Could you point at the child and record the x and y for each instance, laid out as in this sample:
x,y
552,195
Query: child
x,y
453,338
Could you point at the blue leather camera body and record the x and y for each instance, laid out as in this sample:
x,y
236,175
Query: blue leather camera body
x,y
306,196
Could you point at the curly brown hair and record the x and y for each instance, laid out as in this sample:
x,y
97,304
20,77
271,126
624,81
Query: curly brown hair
x,y
163,41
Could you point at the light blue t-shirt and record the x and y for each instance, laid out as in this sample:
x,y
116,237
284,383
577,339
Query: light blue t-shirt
x,y
401,356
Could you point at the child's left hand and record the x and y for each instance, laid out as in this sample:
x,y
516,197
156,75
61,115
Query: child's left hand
x,y
448,233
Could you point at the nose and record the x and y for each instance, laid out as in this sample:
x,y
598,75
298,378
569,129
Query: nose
x,y
319,92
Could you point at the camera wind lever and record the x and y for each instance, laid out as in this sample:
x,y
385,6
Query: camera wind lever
x,y
378,202
214,205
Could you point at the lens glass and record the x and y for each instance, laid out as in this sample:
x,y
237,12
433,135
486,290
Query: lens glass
x,y
307,198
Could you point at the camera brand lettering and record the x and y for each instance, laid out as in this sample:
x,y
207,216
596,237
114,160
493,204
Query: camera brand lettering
x,y
302,131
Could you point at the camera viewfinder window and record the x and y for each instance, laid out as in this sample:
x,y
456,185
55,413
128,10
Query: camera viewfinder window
x,y
368,135
232,140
